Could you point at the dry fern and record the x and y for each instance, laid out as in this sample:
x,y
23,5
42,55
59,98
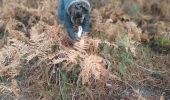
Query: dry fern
x,y
54,33
21,47
10,71
11,28
133,31
68,58
81,45
89,45
93,67
8,55
15,88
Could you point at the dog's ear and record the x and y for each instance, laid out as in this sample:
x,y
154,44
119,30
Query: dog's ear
x,y
72,10
85,7
72,13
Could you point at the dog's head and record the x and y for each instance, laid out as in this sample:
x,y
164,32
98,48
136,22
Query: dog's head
x,y
78,11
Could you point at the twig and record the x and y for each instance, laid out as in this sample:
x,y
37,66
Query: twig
x,y
149,70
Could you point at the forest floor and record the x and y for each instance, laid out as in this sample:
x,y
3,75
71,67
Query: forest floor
x,y
125,57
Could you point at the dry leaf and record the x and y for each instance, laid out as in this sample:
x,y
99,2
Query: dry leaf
x,y
146,17
15,88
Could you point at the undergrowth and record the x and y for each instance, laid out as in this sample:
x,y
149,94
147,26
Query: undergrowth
x,y
125,55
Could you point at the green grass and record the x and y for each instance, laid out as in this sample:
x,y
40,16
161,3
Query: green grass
x,y
125,56
74,74
164,42
63,85
4,87
4,80
1,35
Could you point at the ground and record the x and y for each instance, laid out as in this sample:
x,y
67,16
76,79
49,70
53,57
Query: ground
x,y
125,57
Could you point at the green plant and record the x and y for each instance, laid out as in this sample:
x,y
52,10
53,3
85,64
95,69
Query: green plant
x,y
4,87
1,35
124,54
74,74
164,42
4,80
122,69
126,58
63,84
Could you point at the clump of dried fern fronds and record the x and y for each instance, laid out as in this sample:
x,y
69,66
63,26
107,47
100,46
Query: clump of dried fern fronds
x,y
9,63
93,67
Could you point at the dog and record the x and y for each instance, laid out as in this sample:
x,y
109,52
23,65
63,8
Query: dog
x,y
72,13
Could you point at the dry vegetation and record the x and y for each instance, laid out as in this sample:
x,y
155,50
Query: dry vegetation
x,y
125,57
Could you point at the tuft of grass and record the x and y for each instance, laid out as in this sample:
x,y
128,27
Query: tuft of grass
x,y
63,84
124,54
108,53
5,89
161,45
1,35
164,42
75,73
126,59
123,41
4,80
122,69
